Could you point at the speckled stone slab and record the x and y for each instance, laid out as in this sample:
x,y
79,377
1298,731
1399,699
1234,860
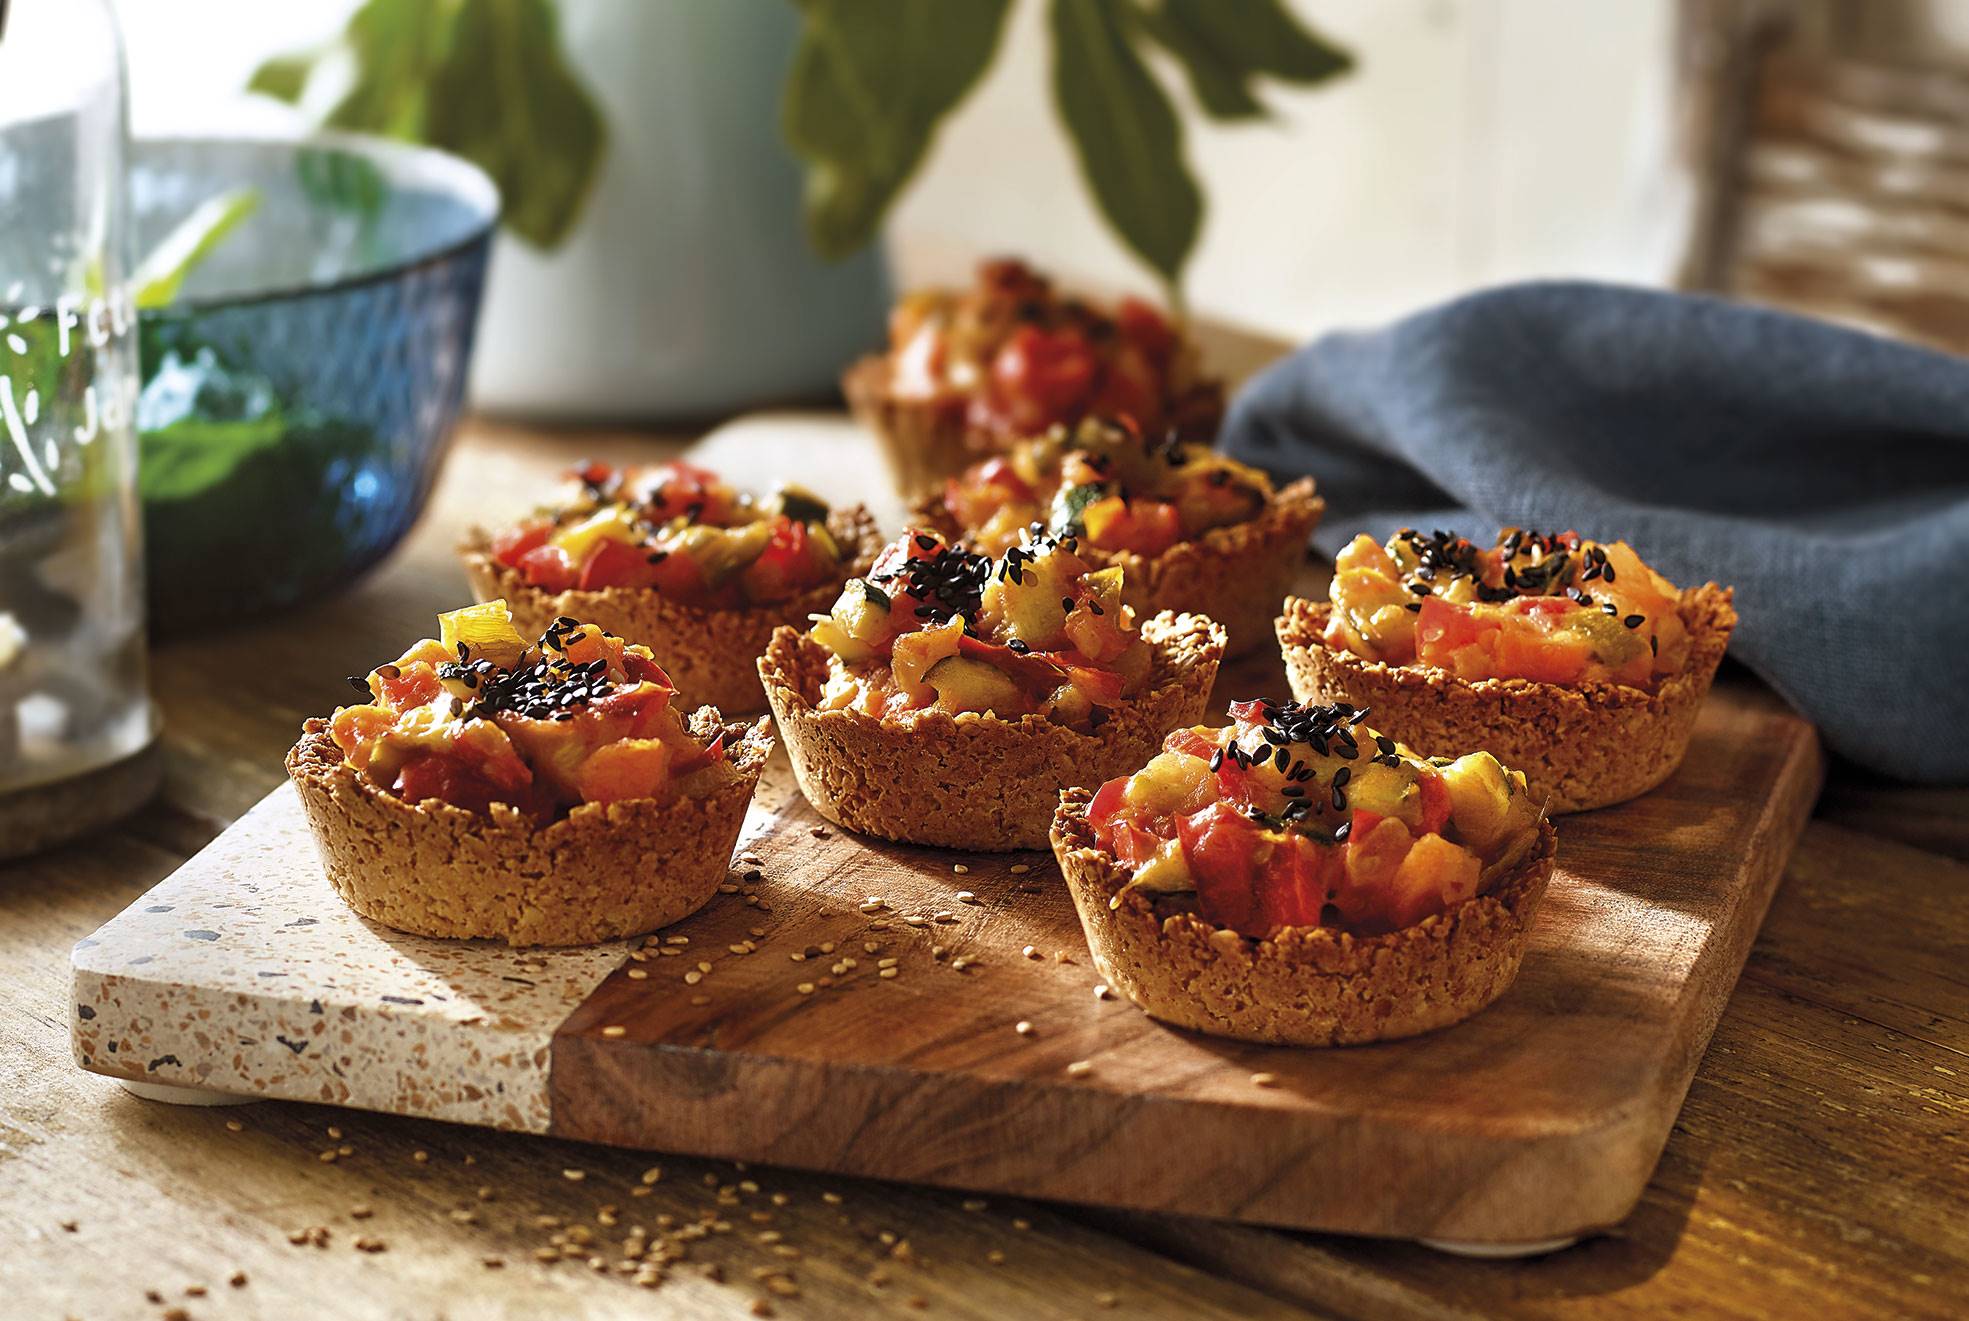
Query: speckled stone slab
x,y
243,972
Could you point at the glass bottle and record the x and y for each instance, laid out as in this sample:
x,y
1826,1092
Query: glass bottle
x,y
75,718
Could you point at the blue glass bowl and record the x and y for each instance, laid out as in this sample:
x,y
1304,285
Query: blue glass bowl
x,y
299,394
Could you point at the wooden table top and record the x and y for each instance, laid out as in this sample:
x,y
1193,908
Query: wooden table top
x,y
1820,1166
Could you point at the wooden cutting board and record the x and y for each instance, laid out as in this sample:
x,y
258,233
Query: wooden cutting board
x,y
777,1034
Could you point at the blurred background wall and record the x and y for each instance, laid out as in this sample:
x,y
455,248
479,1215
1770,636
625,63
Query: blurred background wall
x,y
1479,140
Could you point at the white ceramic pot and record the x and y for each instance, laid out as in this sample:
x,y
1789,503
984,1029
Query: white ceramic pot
x,y
687,289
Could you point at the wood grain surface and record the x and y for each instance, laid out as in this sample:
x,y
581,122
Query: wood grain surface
x,y
1819,1167
779,1034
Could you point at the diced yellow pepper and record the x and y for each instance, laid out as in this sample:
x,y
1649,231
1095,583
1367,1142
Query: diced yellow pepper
x,y
487,631
611,524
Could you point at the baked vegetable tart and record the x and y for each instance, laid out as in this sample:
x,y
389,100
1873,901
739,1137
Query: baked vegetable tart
x,y
1194,530
969,371
1570,659
544,793
1297,878
948,697
673,558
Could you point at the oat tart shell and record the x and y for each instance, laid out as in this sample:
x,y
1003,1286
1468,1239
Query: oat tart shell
x,y
1306,986
1238,575
599,873
924,441
1579,747
708,654
974,781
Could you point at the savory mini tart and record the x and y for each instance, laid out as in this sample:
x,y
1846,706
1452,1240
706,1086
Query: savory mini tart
x,y
1298,879
539,794
949,697
1192,529
671,557
1570,659
970,371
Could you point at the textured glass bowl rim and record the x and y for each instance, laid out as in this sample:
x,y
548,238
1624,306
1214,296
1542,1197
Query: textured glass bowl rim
x,y
405,164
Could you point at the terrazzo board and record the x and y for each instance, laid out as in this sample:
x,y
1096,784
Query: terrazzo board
x,y
1539,1119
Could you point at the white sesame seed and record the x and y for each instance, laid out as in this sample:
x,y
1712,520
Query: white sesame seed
x,y
615,1030
1021,868
890,972
1023,1027
966,897
960,869
1079,1069
1030,952
638,974
797,957
885,963
574,1176
693,977
805,988
1264,1080
1103,992
700,999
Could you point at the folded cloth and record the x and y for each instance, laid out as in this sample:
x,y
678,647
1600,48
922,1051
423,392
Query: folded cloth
x,y
1822,472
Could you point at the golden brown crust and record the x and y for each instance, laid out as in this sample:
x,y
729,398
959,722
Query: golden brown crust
x,y
974,781
1307,986
708,654
1579,748
599,873
1238,575
928,440
923,440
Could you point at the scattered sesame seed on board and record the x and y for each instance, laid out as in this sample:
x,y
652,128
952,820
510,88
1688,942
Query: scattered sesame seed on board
x,y
1105,1300
361,1211
615,1030
1024,1028
368,1244
890,972
420,1156
805,988
652,1174
1021,868
1264,1080
1030,952
700,1000
959,869
234,1126
995,1257
1104,992
966,897
574,1176
1079,1069
638,974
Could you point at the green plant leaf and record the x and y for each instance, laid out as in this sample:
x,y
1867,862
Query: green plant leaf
x,y
869,83
399,48
505,99
162,273
1221,87
1259,36
285,77
1125,133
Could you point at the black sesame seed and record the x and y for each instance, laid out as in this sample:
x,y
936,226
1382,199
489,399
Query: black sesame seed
x,y
1634,621
360,684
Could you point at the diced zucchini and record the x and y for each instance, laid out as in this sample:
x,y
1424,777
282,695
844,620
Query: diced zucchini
x,y
611,524
964,684
1068,516
797,503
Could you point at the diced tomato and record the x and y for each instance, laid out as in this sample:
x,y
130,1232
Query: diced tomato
x,y
1133,845
998,471
1292,884
644,669
1522,651
616,564
1190,741
1364,892
1219,843
1145,526
785,566
443,778
549,568
1106,802
639,709
679,576
1143,325
1131,387
510,546
411,685
1248,713
1443,627
1435,803
682,488
1043,376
